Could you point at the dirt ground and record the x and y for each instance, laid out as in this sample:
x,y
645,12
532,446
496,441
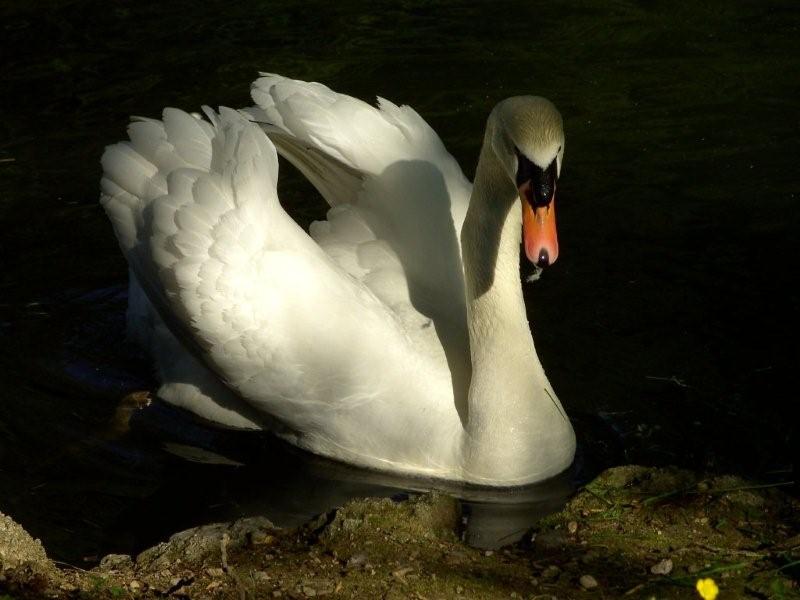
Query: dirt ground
x,y
634,532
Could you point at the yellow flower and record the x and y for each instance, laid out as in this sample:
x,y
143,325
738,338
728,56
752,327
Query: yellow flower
x,y
707,589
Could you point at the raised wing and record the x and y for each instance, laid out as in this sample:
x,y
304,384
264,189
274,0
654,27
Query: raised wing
x,y
386,168
313,124
195,209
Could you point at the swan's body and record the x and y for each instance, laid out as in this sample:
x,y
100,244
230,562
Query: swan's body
x,y
367,340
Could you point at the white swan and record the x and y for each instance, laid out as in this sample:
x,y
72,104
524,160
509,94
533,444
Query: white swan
x,y
364,340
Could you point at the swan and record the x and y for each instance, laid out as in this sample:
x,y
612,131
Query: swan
x,y
393,334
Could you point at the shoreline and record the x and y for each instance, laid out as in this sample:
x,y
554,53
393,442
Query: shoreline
x,y
633,532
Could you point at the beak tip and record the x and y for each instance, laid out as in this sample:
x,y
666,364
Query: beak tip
x,y
543,259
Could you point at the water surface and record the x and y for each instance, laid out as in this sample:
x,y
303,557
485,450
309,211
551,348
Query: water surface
x,y
668,325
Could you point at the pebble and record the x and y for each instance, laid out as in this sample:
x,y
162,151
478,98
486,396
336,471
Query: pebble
x,y
400,574
590,556
662,567
587,582
309,591
356,561
551,572
572,527
262,538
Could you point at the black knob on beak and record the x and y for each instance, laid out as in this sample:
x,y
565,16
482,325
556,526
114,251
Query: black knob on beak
x,y
544,258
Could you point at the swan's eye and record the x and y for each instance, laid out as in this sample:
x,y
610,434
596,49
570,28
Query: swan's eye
x,y
541,182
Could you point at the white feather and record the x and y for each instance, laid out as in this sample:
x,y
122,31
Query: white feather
x,y
352,341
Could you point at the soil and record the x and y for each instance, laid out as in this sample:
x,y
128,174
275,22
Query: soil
x,y
633,532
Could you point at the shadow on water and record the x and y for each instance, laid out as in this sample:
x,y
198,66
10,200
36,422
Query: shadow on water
x,y
668,326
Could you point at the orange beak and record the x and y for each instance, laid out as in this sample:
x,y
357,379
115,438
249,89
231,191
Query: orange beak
x,y
539,229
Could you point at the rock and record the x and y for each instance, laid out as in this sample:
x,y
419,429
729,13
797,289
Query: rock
x,y
262,538
17,547
591,556
550,573
551,539
662,567
588,582
430,516
652,481
572,527
203,544
115,562
356,561
745,498
22,558
620,477
438,512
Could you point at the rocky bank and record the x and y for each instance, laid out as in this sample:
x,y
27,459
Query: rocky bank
x,y
634,532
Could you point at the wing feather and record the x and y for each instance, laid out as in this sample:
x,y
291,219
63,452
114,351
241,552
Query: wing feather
x,y
234,277
383,167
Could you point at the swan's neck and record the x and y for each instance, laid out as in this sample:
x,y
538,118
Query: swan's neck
x,y
516,429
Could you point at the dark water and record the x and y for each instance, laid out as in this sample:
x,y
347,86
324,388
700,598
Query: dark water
x,y
668,326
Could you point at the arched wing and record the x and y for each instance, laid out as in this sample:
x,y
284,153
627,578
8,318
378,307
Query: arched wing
x,y
388,167
195,208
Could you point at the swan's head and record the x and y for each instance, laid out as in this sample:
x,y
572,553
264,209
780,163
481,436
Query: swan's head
x,y
528,138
